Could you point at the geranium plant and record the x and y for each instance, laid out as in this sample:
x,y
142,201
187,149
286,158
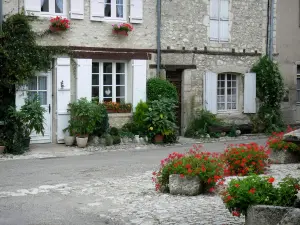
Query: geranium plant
x,y
59,24
256,190
207,166
277,143
244,159
122,28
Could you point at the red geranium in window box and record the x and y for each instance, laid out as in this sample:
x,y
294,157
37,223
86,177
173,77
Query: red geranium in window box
x,y
122,28
59,24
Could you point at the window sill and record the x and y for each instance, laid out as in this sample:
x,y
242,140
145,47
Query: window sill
x,y
119,114
235,112
48,16
114,20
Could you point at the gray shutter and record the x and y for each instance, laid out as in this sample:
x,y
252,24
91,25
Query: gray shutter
x,y
97,10
77,9
136,11
84,79
250,93
139,68
32,7
210,95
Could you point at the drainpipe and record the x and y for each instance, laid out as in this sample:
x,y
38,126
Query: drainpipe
x,y
271,29
158,6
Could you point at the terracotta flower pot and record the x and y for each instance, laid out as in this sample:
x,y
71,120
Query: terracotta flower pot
x,y
158,139
122,32
110,110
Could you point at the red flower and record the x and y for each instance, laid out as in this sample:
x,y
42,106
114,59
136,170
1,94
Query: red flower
x,y
271,180
188,166
181,175
236,213
252,191
237,185
211,190
190,170
154,173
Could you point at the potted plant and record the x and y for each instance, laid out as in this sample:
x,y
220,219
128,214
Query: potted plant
x,y
125,108
58,24
122,28
69,135
83,120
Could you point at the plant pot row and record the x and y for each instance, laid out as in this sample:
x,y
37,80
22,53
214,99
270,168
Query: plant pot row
x,y
80,141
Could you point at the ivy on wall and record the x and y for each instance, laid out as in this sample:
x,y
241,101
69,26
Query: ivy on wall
x,y
270,92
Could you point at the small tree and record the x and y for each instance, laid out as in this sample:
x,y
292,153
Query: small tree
x,y
270,91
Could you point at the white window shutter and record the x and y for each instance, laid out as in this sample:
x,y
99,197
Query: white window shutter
x,y
214,9
63,76
224,30
224,10
210,95
77,9
84,79
250,93
136,11
32,7
139,68
21,95
214,30
97,10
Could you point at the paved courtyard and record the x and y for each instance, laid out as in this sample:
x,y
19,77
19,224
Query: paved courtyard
x,y
104,188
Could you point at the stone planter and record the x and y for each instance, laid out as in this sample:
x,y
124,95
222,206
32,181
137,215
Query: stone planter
x,y
69,140
2,148
185,185
284,157
266,214
81,141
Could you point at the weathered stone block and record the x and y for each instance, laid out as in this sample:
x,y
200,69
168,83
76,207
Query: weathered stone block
x,y
184,185
265,214
284,157
292,217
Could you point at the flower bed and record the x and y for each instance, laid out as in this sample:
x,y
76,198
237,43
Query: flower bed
x,y
244,159
59,24
208,167
115,107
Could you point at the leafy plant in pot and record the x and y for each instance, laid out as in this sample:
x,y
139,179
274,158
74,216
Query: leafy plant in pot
x,y
69,135
83,120
31,116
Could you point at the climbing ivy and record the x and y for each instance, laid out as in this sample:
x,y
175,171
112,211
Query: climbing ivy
x,y
20,55
270,92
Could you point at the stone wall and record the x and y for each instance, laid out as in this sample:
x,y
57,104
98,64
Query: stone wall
x,y
119,119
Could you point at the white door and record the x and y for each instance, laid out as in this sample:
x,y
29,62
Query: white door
x,y
42,85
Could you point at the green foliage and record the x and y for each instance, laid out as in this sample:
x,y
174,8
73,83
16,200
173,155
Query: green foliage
x,y
126,134
114,131
116,140
101,118
86,117
20,51
130,128
255,190
158,88
108,139
140,115
161,118
270,92
199,125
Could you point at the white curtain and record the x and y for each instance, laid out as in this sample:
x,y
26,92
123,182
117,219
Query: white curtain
x,y
59,4
119,8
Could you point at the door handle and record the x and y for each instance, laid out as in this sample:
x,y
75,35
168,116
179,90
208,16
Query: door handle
x,y
49,108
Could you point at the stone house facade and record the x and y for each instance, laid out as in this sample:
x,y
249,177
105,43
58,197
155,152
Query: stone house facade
x,y
207,50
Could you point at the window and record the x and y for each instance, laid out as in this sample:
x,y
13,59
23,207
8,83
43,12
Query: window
x,y
52,6
38,86
227,90
114,9
109,81
219,20
298,84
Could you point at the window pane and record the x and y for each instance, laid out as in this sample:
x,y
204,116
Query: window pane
x,y
221,77
32,84
233,106
221,99
228,84
298,96
107,79
120,68
221,106
229,106
107,99
120,100
95,67
58,6
298,83
107,92
119,11
42,83
31,94
120,91
107,67
229,98
234,91
233,83
233,97
107,9
43,97
233,77
45,5
298,69
95,79
120,79
95,91
229,91
229,77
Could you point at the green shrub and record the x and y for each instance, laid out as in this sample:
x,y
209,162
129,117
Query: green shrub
x,y
158,88
130,128
139,117
126,134
255,190
199,125
108,139
116,140
101,118
114,131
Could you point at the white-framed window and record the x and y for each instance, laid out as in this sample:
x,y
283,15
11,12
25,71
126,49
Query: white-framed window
x,y
38,86
53,7
219,20
109,80
298,84
227,92
114,9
